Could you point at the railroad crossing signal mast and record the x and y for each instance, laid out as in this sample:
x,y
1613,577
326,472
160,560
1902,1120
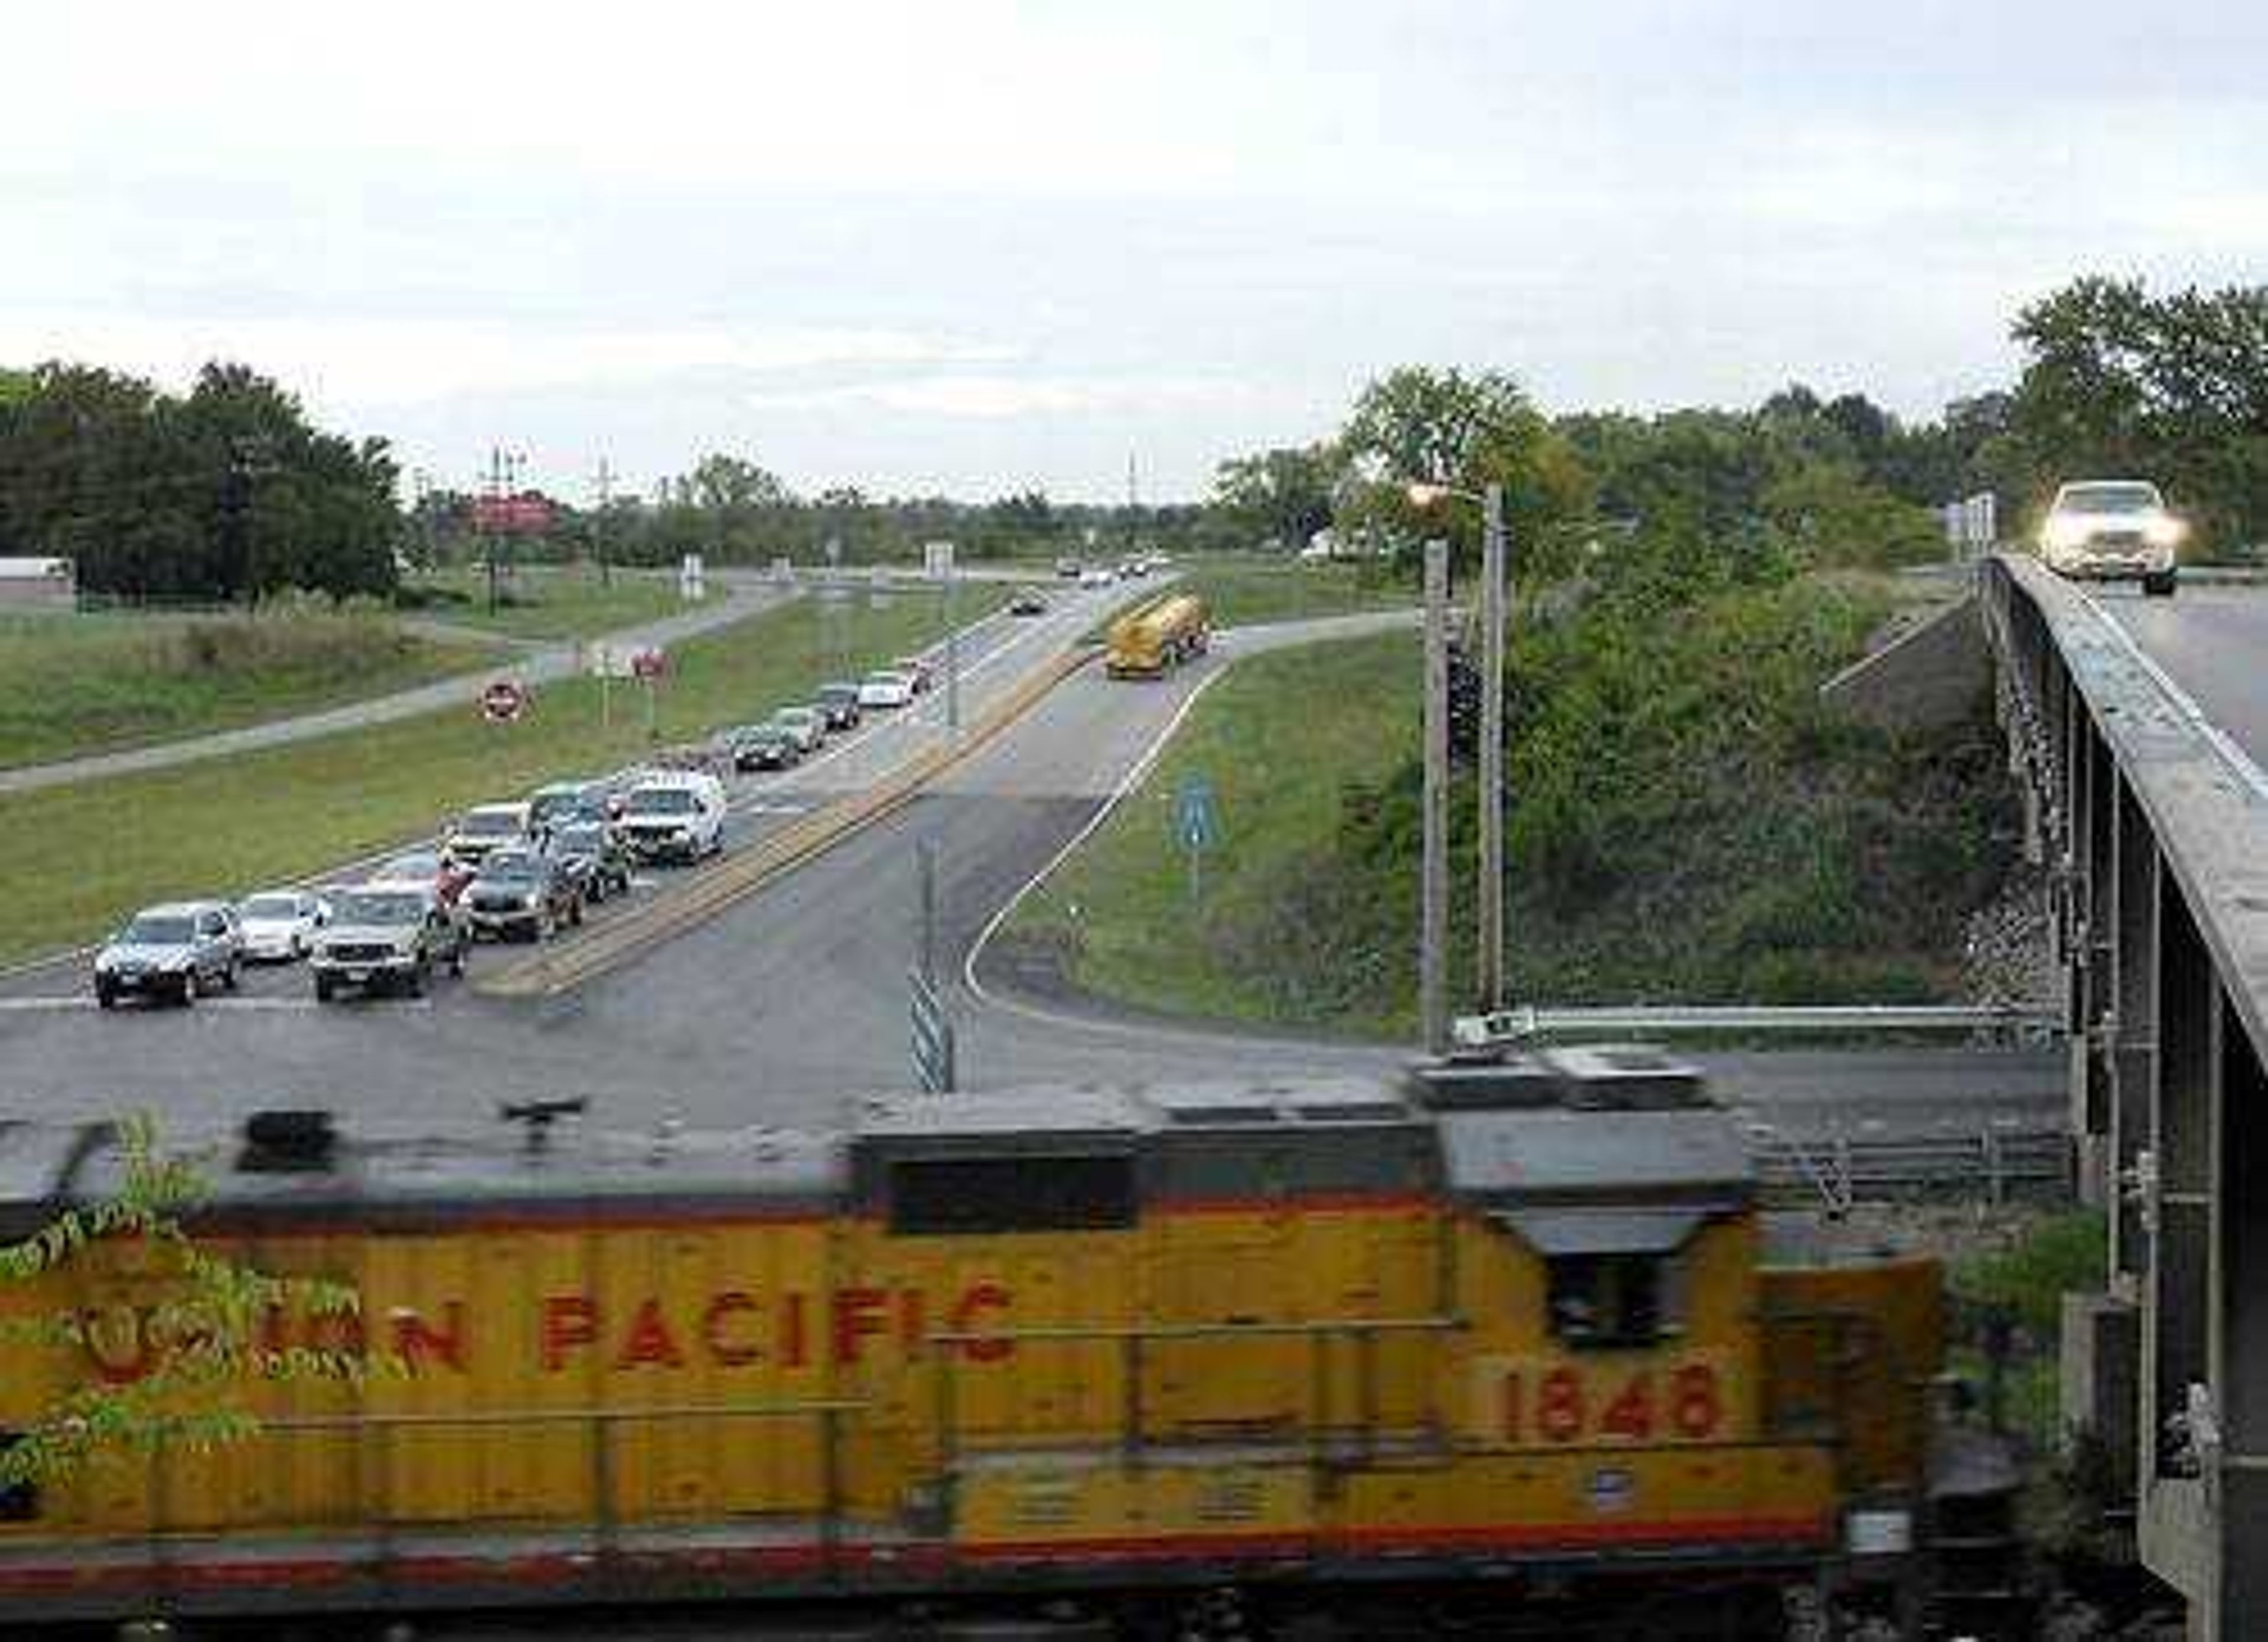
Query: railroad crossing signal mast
x,y
1433,922
934,1051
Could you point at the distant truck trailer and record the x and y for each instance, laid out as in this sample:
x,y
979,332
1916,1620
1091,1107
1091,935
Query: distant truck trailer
x,y
38,584
1152,640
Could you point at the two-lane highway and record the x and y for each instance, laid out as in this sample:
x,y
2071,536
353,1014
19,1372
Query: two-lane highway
x,y
2211,640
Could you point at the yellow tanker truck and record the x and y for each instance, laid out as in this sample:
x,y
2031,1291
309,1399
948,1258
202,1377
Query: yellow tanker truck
x,y
1150,641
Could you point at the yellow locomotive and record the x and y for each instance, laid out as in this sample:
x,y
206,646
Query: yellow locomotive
x,y
1503,1333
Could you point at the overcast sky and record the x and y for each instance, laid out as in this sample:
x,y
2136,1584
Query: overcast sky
x,y
975,247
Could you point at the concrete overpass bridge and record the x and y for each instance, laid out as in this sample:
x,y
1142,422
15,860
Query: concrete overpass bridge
x,y
2142,729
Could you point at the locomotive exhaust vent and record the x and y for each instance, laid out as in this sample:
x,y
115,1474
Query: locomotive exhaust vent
x,y
288,1142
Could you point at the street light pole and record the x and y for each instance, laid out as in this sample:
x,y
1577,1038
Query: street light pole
x,y
1433,916
1490,978
952,651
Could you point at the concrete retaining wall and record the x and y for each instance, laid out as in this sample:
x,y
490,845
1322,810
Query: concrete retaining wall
x,y
1930,676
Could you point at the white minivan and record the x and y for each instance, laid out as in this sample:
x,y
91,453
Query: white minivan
x,y
674,816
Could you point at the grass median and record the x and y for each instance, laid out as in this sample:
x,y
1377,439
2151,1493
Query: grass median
x,y
76,685
545,601
84,854
1277,739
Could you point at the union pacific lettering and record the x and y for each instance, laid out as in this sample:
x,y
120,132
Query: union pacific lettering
x,y
576,1331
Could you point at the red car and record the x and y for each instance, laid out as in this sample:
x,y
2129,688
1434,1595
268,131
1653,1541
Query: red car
x,y
447,877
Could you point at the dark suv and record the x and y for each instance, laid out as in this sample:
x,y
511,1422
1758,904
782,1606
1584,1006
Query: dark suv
x,y
593,854
838,705
521,893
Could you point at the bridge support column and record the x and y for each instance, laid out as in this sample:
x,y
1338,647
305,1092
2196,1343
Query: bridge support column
x,y
2241,1357
2133,1047
2179,1523
2093,923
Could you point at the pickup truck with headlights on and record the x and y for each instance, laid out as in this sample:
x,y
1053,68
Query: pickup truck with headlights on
x,y
2113,529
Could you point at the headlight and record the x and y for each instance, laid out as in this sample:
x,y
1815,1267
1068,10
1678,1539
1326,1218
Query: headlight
x,y
1879,1533
2060,535
2165,532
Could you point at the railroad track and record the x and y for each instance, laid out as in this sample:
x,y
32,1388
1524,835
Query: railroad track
x,y
1994,1164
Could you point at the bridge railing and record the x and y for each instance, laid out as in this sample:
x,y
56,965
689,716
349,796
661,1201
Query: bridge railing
x,y
2154,830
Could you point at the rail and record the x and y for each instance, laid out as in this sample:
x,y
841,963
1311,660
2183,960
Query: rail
x,y
1511,1027
1839,1171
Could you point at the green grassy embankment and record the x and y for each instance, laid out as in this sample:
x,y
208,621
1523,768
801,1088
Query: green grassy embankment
x,y
1121,913
544,601
84,854
1242,589
75,684
1686,825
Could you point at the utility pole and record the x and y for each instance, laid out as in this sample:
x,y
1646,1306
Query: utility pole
x,y
599,535
1133,509
1490,977
1433,921
495,489
420,491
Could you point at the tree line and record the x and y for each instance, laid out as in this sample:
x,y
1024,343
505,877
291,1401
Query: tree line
x,y
228,493
225,494
731,510
2115,381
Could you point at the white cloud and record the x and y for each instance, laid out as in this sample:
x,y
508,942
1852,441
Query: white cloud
x,y
381,363
982,397
898,241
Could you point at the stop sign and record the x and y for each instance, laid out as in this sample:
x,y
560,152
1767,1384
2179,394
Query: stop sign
x,y
503,701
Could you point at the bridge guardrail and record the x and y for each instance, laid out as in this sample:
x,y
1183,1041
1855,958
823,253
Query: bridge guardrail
x,y
2154,828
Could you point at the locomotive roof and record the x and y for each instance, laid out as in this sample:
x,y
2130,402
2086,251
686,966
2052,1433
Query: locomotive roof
x,y
1188,1139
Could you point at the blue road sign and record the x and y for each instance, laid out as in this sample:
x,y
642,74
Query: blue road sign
x,y
1196,819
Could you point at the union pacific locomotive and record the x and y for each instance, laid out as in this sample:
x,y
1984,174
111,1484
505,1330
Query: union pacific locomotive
x,y
1497,1345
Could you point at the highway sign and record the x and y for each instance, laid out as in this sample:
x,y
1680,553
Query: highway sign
x,y
1197,824
932,1037
1196,818
503,701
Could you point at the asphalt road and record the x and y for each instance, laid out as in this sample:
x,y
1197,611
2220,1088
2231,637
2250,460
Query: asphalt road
x,y
2213,642
791,1007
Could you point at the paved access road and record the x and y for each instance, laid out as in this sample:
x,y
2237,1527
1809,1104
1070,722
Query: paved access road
x,y
532,663
2213,642
790,1008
